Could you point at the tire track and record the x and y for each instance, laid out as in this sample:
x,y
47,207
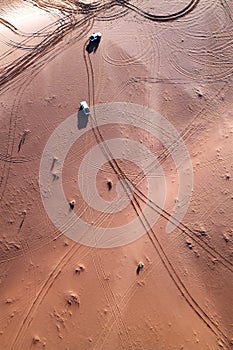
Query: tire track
x,y
184,292
151,234
91,11
99,344
145,50
204,54
10,142
162,157
8,158
181,286
54,274
161,18
123,333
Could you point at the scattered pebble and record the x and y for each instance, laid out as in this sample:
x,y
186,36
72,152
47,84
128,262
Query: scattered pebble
x,y
36,339
214,260
109,183
72,204
55,176
189,244
202,231
79,268
220,344
226,238
139,267
9,301
199,93
73,299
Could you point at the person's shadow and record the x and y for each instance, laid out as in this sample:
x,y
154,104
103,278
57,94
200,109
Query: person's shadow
x,y
92,46
82,119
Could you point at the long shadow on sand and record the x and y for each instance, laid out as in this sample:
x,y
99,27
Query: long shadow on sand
x,y
82,119
92,46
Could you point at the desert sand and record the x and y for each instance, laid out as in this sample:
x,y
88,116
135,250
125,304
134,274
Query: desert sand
x,y
168,58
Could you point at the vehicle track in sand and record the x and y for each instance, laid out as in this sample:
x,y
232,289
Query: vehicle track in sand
x,y
10,73
171,271
185,134
152,235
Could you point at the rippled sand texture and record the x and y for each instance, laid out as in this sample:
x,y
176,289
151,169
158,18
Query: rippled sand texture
x,y
174,58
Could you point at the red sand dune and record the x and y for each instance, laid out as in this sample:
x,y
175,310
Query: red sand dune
x,y
57,293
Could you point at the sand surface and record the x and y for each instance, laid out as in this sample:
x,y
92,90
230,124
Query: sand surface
x,y
56,293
